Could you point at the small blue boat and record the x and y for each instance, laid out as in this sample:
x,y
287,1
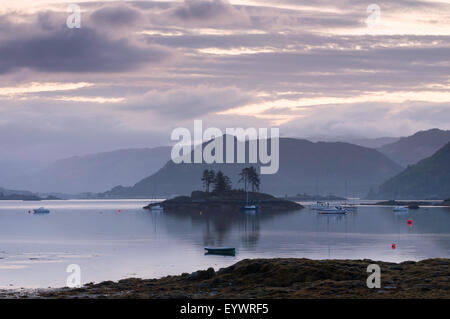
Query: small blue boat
x,y
226,251
41,210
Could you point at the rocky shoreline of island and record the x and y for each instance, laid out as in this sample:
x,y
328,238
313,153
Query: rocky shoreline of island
x,y
232,200
286,278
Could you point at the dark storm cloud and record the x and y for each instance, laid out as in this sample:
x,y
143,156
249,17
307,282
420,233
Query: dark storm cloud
x,y
76,50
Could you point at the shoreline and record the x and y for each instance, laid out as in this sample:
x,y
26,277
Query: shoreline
x,y
280,278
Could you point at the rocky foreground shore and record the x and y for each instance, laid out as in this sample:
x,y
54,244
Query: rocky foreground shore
x,y
281,278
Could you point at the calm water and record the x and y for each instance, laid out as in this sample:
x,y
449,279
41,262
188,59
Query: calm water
x,y
110,245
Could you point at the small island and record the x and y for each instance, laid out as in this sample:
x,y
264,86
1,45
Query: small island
x,y
410,204
223,198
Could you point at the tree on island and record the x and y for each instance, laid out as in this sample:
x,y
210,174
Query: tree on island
x,y
253,179
244,174
222,183
208,178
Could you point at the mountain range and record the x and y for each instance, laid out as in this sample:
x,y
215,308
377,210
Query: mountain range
x,y
102,171
428,179
94,172
321,167
410,150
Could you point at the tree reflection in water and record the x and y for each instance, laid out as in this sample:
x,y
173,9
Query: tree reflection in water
x,y
217,225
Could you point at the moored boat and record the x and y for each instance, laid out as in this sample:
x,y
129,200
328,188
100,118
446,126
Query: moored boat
x,y
157,207
250,208
320,206
400,209
230,251
333,210
350,208
41,210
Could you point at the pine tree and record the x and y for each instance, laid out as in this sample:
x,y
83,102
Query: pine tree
x,y
244,174
253,179
222,183
211,177
208,178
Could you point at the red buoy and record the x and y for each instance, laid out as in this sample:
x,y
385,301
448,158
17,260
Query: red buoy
x,y
119,211
409,222
393,246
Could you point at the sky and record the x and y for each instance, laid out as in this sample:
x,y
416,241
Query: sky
x,y
135,70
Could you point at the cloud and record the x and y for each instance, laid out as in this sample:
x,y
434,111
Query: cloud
x,y
77,50
369,119
115,16
44,43
301,51
208,13
190,102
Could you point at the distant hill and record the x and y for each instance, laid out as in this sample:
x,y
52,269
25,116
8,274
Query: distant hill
x,y
8,192
365,142
373,142
95,172
304,166
428,179
410,150
10,169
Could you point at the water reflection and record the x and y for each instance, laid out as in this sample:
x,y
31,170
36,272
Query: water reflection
x,y
217,227
250,228
108,245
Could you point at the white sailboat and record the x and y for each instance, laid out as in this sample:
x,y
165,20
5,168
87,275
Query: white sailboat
x,y
350,207
400,209
333,210
157,207
154,205
320,205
